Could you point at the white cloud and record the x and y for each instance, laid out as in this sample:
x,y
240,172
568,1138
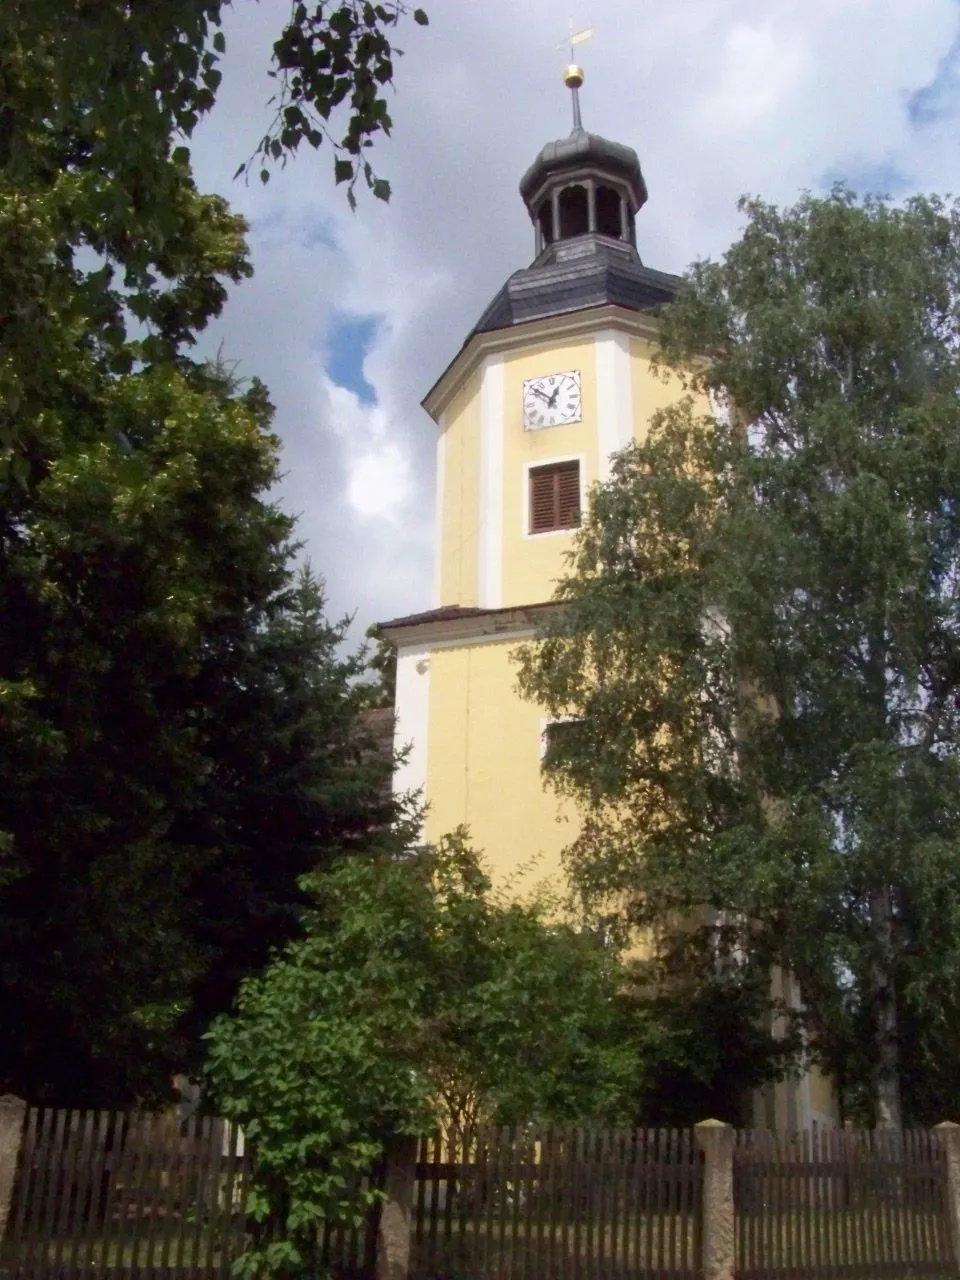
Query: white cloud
x,y
719,97
378,481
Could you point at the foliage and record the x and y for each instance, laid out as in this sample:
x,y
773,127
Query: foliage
x,y
415,995
382,689
179,738
177,708
695,1021
760,631
103,235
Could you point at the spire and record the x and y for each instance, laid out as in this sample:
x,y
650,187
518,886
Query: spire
x,y
573,73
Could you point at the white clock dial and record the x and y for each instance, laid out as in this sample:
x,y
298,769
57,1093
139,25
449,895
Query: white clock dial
x,y
552,400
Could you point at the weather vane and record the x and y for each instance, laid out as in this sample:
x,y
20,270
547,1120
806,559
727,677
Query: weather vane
x,y
573,74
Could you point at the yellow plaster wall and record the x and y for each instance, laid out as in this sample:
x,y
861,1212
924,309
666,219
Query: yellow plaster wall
x,y
483,765
460,518
648,391
532,564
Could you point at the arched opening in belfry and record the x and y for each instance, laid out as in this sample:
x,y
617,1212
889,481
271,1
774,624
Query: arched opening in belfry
x,y
574,208
610,221
545,221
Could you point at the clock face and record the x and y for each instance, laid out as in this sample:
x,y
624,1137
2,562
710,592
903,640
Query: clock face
x,y
552,400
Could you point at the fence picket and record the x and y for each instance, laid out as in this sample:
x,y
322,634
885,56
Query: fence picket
x,y
80,1179
54,1180
913,1197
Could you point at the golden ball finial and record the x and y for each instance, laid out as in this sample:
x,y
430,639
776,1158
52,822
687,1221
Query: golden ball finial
x,y
573,76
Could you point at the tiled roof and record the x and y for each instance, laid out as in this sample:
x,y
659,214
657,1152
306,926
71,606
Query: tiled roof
x,y
454,612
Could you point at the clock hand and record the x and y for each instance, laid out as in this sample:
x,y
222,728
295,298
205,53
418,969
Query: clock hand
x,y
553,399
539,391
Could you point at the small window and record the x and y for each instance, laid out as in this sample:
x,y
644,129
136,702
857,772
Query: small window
x,y
554,497
545,220
555,735
608,213
574,212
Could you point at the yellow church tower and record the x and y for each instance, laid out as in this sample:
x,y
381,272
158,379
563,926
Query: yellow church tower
x,y
554,378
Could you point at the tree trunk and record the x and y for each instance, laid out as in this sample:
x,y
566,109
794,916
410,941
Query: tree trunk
x,y
886,1066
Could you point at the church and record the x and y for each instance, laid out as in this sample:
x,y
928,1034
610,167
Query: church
x,y
553,379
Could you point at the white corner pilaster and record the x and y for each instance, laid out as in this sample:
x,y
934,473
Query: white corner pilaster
x,y
438,522
614,397
413,718
490,539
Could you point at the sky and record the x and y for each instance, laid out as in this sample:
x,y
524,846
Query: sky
x,y
351,317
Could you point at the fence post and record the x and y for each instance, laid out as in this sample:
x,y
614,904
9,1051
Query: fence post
x,y
716,1141
393,1238
949,1135
12,1111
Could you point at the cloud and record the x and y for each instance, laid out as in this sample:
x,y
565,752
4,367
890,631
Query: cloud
x,y
719,97
379,483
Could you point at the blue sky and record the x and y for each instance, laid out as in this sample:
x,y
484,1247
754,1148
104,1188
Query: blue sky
x,y
351,317
349,340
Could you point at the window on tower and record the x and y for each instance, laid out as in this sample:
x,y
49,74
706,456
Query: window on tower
x,y
608,213
545,220
556,736
554,497
574,212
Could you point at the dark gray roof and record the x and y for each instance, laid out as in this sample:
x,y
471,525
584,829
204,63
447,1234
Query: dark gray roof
x,y
586,150
574,275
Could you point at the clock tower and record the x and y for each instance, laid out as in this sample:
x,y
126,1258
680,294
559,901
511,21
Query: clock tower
x,y
552,380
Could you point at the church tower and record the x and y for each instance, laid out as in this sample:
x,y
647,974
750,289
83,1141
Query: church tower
x,y
552,380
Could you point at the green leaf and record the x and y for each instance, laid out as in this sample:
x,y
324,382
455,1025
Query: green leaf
x,y
342,170
420,17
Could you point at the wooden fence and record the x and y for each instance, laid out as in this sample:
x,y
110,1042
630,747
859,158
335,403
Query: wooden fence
x,y
558,1204
835,1203
125,1193
140,1197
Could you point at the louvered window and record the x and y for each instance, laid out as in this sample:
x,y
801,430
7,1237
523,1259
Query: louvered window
x,y
554,497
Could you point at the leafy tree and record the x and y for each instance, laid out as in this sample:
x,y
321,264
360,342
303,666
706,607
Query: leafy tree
x,y
100,223
178,733
179,741
415,995
760,633
382,690
697,1032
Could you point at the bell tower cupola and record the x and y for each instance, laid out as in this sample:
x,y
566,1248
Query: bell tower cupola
x,y
582,185
582,193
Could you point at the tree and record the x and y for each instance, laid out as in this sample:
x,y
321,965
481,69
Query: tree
x,y
179,742
97,106
178,736
696,1032
382,689
760,632
416,995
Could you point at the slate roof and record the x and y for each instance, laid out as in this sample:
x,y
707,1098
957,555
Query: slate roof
x,y
582,149
574,275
